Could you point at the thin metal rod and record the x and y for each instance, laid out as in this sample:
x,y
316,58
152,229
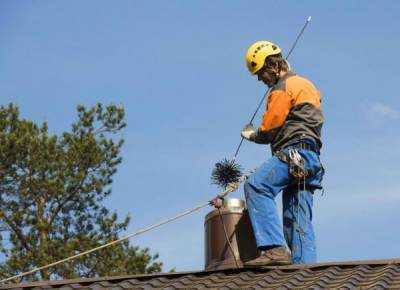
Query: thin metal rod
x,y
298,37
266,94
251,121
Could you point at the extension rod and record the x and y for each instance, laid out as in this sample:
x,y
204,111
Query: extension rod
x,y
266,94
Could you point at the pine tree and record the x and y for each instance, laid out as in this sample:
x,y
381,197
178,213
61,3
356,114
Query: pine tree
x,y
51,191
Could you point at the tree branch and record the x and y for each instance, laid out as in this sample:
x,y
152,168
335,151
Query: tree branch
x,y
16,230
69,198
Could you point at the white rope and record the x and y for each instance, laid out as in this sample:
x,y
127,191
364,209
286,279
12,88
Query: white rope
x,y
295,156
230,188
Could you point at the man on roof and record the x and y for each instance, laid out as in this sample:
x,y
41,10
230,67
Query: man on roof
x,y
292,126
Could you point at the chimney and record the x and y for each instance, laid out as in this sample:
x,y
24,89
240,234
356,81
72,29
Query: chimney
x,y
218,254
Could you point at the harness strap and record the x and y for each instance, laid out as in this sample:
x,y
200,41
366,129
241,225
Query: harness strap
x,y
285,157
307,187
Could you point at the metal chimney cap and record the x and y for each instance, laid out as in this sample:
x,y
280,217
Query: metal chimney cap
x,y
234,204
231,205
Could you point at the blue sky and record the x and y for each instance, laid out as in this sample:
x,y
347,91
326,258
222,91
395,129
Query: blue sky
x,y
178,68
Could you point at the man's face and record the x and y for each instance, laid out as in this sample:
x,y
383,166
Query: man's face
x,y
267,76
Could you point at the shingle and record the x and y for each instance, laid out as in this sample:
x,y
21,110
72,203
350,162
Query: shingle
x,y
187,280
117,288
70,287
128,284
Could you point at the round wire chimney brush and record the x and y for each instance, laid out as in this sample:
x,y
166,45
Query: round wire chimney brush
x,y
225,172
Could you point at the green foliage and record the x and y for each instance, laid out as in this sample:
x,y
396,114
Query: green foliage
x,y
51,192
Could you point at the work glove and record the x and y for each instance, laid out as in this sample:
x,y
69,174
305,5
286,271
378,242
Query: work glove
x,y
248,132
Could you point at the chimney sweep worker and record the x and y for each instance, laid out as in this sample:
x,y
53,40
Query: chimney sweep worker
x,y
292,126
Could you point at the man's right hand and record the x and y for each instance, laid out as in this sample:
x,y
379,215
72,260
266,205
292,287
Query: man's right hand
x,y
248,132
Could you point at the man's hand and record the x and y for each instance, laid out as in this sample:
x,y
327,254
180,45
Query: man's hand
x,y
248,132
217,202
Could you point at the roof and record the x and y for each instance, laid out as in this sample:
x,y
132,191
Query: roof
x,y
375,274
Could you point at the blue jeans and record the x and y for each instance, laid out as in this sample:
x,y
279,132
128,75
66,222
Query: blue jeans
x,y
260,190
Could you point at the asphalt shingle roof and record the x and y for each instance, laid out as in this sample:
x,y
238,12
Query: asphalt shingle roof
x,y
376,274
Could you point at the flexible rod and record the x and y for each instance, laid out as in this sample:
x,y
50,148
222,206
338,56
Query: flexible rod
x,y
266,94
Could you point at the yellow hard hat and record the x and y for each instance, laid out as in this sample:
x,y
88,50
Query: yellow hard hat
x,y
258,52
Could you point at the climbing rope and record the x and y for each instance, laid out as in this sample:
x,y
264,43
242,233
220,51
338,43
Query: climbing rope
x,y
298,160
230,188
228,241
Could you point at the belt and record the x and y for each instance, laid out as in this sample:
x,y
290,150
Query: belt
x,y
305,146
301,145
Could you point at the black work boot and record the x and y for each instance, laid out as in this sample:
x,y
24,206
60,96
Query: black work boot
x,y
271,257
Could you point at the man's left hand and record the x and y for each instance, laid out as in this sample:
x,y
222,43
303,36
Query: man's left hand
x,y
217,202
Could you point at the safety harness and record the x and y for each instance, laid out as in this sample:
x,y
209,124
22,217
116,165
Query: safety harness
x,y
295,161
